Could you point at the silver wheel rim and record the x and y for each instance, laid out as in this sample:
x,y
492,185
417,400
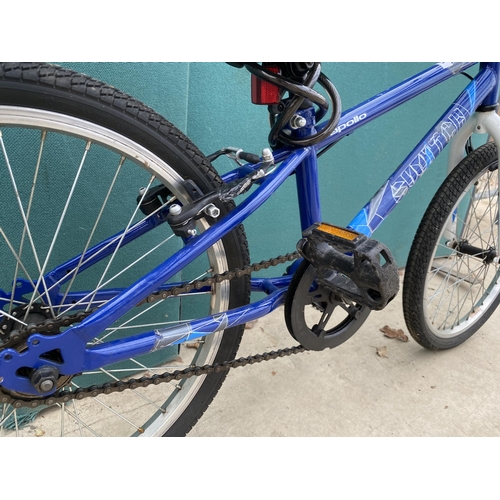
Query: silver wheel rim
x,y
160,420
460,288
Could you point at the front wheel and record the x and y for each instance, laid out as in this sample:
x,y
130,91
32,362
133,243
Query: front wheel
x,y
452,278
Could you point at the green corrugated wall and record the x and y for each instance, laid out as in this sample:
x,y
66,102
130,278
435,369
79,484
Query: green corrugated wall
x,y
211,103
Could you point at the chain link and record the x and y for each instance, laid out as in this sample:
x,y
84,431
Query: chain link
x,y
53,325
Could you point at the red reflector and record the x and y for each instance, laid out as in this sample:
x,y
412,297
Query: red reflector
x,y
264,92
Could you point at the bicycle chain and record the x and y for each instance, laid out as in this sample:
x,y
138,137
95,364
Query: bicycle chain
x,y
64,396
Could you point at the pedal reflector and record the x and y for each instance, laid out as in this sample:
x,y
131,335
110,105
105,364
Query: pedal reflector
x,y
341,232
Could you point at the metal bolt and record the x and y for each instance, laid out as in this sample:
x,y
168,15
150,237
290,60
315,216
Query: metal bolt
x,y
192,232
142,191
297,121
175,209
212,211
46,385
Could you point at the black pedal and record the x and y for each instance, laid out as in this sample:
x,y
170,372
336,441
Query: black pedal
x,y
351,264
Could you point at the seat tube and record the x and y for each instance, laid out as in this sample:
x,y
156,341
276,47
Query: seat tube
x,y
306,176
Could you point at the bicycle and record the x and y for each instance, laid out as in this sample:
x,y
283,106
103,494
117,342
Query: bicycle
x,y
66,305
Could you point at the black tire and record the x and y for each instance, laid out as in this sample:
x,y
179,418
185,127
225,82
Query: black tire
x,y
127,129
451,284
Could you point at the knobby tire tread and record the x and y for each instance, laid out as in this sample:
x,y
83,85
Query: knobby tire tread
x,y
78,85
424,244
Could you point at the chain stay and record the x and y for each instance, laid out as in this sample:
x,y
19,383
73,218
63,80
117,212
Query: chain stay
x,y
65,396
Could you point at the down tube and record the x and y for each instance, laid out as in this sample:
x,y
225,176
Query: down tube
x,y
398,185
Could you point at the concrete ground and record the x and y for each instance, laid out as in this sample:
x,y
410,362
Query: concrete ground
x,y
353,391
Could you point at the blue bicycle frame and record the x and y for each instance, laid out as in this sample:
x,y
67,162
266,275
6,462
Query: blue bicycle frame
x,y
481,93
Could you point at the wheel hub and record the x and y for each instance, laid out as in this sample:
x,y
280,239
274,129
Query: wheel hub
x,y
45,379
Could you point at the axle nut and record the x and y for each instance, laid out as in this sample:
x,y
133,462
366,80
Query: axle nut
x,y
44,379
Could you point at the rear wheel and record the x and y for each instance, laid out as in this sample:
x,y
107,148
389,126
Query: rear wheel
x,y
75,158
451,284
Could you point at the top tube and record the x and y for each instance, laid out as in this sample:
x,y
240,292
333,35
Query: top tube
x,y
392,98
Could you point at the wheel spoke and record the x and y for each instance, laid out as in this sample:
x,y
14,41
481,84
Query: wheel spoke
x,y
99,284
22,212
94,255
56,234
75,417
19,263
7,315
33,187
73,240
459,288
455,310
97,400
77,269
102,285
123,325
134,392
141,313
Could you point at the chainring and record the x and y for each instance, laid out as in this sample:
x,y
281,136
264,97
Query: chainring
x,y
329,320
